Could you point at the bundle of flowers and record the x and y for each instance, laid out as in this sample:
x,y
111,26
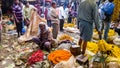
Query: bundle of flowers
x,y
92,47
65,37
59,55
69,25
36,57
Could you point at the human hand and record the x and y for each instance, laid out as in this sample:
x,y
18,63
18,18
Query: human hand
x,y
99,32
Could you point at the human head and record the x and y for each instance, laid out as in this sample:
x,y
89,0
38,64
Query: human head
x,y
26,3
110,0
54,4
17,1
62,4
38,1
48,4
42,15
68,6
42,26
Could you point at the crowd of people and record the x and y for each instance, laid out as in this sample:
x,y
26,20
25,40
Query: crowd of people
x,y
55,18
52,13
88,15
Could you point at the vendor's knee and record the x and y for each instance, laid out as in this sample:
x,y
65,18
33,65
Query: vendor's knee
x,y
47,44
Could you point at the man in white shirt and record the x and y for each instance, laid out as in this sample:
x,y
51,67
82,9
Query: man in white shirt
x,y
61,17
54,20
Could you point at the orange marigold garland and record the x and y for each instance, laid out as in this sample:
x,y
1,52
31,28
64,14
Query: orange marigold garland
x,y
59,55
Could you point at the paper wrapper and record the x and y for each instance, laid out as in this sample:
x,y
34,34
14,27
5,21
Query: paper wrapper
x,y
111,38
66,64
95,36
96,65
116,41
113,65
32,30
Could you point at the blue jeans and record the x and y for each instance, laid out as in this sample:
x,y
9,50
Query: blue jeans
x,y
106,27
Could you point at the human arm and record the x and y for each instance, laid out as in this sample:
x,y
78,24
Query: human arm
x,y
96,17
33,7
50,37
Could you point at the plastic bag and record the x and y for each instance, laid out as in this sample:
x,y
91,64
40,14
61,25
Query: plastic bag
x,y
66,64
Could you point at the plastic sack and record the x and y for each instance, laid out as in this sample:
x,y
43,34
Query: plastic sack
x,y
66,64
113,65
111,38
116,41
24,30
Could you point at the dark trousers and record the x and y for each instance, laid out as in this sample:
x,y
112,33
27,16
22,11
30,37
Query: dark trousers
x,y
117,30
42,44
61,24
19,27
55,30
49,23
69,19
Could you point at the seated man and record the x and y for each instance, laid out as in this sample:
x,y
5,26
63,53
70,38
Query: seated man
x,y
44,38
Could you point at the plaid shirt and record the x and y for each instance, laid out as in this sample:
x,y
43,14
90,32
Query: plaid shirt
x,y
17,9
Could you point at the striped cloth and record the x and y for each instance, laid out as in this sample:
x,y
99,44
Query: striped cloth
x,y
17,9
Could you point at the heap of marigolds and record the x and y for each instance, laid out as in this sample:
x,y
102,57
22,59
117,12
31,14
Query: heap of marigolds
x,y
104,47
59,55
116,10
65,37
69,25
111,35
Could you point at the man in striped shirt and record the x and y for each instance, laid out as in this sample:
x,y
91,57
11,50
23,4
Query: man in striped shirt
x,y
18,15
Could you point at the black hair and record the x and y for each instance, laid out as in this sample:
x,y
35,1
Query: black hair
x,y
110,0
53,3
25,2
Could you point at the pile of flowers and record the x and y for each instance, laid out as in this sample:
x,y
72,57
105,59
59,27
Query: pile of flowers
x,y
93,47
104,46
59,55
65,37
69,25
114,51
36,57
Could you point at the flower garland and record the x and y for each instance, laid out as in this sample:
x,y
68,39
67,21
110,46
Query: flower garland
x,y
93,47
36,57
65,37
59,55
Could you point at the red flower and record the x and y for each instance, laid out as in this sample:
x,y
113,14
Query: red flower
x,y
36,57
